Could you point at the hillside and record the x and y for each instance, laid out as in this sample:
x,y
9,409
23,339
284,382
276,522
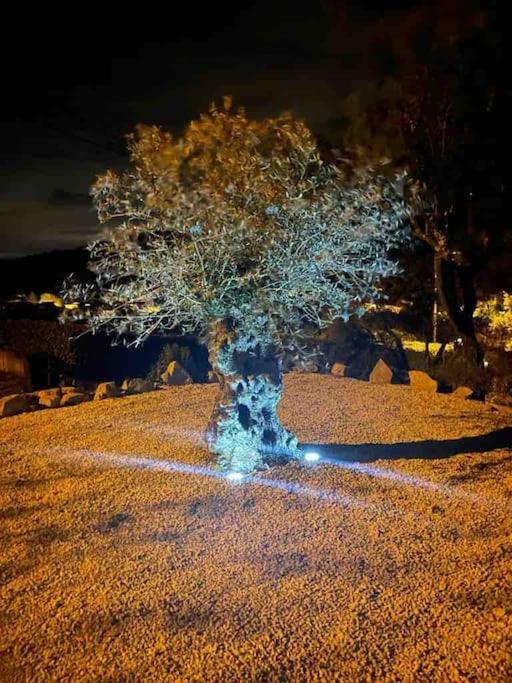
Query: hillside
x,y
42,272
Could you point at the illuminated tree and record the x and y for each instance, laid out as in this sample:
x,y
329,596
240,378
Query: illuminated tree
x,y
238,231
495,315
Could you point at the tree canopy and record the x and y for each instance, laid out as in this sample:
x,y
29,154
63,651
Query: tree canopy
x,y
240,220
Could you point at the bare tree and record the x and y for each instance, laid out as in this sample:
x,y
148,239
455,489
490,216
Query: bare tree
x,y
240,232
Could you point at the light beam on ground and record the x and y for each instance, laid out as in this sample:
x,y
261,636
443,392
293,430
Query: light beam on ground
x,y
128,460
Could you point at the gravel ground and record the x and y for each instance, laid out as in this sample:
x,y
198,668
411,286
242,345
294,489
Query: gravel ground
x,y
125,557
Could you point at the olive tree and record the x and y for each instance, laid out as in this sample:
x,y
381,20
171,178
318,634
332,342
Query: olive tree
x,y
240,232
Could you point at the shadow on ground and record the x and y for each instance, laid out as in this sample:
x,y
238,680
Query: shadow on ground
x,y
426,450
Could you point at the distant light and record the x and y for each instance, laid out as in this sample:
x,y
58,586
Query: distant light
x,y
486,363
459,340
311,456
234,476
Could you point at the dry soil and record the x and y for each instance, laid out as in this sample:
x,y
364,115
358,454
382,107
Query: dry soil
x,y
124,556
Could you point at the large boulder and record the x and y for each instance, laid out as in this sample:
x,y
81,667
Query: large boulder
x,y
49,398
193,359
175,375
14,404
420,380
359,350
106,390
136,385
73,399
381,373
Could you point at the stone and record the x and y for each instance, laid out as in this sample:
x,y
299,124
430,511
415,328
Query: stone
x,y
194,359
338,369
421,381
73,399
49,398
175,375
68,390
381,373
106,390
48,298
14,404
359,350
136,385
463,392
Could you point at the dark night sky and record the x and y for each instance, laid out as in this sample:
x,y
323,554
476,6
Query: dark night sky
x,y
77,82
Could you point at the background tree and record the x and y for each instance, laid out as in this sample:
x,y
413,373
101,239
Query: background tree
x,y
240,232
453,115
447,127
372,125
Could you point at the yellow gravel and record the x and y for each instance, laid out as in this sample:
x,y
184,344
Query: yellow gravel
x,y
125,557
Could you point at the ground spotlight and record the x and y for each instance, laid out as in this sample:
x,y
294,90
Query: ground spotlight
x,y
234,476
311,456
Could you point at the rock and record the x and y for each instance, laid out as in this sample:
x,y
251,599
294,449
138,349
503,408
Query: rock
x,y
463,392
175,375
194,359
14,404
381,373
212,377
420,380
359,350
68,390
49,398
338,369
136,385
106,390
73,399
48,298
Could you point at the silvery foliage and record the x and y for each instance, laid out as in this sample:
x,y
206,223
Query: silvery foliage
x,y
238,220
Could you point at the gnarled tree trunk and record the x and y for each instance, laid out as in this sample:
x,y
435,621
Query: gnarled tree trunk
x,y
244,431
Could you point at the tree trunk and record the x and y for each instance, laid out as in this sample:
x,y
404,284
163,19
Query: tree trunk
x,y
457,294
244,431
435,311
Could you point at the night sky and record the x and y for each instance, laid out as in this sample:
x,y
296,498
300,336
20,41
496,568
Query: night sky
x,y
76,81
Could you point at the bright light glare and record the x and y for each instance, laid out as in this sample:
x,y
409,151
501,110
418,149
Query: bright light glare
x,y
311,456
129,460
234,476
